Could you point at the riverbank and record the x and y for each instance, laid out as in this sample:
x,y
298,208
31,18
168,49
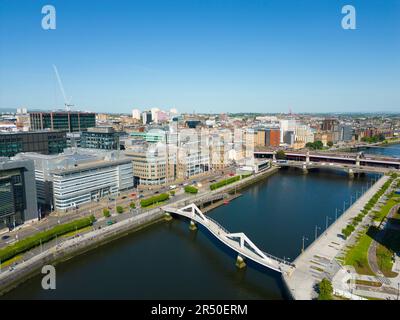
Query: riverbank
x,y
74,247
318,259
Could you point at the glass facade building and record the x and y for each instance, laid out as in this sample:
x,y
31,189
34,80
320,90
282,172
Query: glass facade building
x,y
45,142
17,192
71,121
100,138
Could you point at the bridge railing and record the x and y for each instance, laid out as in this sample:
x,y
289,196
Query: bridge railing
x,y
279,259
221,227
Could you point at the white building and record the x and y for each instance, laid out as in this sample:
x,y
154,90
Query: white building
x,y
136,114
79,176
287,125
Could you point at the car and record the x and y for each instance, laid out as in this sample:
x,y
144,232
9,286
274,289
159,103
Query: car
x,y
141,196
5,237
133,194
172,187
124,197
110,222
157,192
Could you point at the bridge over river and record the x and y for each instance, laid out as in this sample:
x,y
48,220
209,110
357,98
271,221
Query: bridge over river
x,y
238,242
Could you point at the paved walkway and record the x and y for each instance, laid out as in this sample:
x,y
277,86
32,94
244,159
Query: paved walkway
x,y
318,260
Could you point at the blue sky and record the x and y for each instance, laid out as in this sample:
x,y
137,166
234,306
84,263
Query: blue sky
x,y
202,55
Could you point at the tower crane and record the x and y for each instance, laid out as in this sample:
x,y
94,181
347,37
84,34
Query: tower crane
x,y
67,103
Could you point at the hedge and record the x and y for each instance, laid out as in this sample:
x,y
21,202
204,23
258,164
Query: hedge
x,y
42,237
224,182
149,201
191,189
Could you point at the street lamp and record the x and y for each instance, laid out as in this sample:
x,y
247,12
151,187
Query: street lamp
x,y
302,248
326,223
316,231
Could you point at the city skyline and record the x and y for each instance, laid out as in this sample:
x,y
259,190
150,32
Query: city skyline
x,y
262,57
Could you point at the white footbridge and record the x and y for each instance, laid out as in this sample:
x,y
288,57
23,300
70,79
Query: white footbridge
x,y
239,242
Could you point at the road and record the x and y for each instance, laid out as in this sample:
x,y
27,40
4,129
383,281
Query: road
x,y
96,208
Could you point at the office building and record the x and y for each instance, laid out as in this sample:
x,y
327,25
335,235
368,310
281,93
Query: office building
x,y
45,142
100,138
70,121
150,165
79,176
17,192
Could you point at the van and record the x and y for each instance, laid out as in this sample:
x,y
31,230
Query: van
x,y
172,187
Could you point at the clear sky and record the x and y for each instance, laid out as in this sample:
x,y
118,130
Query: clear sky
x,y
202,55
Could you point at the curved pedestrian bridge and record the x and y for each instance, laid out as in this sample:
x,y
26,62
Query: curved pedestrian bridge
x,y
238,242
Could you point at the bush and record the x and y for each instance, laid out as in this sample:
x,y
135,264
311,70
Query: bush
x,y
325,290
106,213
224,182
155,199
43,237
132,205
191,189
172,193
120,209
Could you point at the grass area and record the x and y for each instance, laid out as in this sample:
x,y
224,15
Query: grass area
x,y
357,255
384,252
35,240
369,283
382,213
155,205
11,261
73,233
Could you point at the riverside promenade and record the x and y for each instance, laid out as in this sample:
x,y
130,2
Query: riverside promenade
x,y
318,260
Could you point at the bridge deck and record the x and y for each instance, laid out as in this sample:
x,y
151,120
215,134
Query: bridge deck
x,y
236,241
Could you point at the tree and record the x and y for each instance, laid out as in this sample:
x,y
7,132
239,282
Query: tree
x,y
330,144
325,290
132,205
172,193
106,213
318,144
120,209
280,154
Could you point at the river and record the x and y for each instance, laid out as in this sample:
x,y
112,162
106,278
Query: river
x,y
168,261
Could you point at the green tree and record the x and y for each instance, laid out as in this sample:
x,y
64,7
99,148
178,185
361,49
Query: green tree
x,y
172,192
132,205
325,290
106,213
330,144
120,209
280,154
318,145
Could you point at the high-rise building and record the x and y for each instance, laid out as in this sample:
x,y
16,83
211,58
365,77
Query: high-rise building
x,y
100,138
18,202
136,114
146,117
289,138
45,142
71,121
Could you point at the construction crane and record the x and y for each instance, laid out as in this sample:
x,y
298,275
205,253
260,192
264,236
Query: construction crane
x,y
67,103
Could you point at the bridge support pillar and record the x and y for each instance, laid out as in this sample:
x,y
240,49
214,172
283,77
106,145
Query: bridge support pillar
x,y
192,225
167,216
240,262
304,168
308,157
351,173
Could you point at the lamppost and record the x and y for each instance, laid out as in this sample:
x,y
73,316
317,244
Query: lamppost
x,y
336,213
316,231
351,200
302,248
326,223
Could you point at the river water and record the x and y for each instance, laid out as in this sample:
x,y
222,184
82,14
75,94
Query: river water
x,y
168,261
